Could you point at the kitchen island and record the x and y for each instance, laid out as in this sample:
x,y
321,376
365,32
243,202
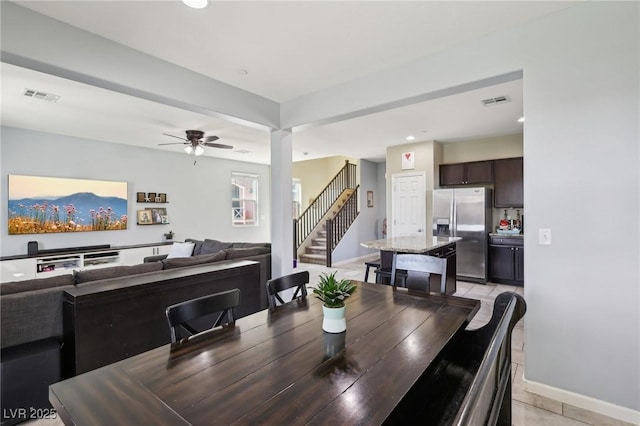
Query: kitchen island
x,y
429,245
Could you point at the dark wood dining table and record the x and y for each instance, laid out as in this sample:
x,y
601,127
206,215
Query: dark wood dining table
x,y
277,366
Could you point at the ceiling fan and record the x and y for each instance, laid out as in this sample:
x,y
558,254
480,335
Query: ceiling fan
x,y
195,142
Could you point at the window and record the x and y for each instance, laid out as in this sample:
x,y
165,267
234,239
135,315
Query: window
x,y
244,199
297,198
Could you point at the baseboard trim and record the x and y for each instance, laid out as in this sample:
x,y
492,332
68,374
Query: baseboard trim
x,y
585,402
363,258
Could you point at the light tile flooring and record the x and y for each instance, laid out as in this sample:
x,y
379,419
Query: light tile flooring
x,y
527,408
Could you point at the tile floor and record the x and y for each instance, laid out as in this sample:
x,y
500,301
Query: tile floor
x,y
527,408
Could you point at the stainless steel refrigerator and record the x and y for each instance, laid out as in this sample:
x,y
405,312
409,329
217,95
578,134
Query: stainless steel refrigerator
x,y
465,213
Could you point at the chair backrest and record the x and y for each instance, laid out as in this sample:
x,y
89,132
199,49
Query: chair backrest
x,y
299,280
420,263
223,303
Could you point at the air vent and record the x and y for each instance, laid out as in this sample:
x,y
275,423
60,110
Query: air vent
x,y
495,101
41,95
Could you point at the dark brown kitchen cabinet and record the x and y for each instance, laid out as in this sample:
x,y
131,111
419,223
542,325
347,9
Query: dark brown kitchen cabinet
x,y
508,182
506,260
474,172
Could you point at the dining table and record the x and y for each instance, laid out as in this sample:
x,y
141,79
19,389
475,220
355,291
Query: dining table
x,y
277,366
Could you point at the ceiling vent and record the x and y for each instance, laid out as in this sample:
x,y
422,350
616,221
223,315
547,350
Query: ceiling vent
x,y
41,95
495,101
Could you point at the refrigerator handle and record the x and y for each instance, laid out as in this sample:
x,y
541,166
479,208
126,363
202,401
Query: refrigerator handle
x,y
454,217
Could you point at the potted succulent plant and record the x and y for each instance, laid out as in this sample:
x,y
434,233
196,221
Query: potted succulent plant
x,y
169,235
333,292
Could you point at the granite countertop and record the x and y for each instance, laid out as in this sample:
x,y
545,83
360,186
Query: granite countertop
x,y
495,234
410,244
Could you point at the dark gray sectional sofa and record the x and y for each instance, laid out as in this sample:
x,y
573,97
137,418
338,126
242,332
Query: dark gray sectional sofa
x,y
32,330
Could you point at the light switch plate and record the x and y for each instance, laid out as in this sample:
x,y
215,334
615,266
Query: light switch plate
x,y
544,236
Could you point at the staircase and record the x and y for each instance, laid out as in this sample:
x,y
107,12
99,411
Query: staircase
x,y
314,249
335,208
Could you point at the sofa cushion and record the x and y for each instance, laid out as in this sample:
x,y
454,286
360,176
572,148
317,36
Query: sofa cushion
x,y
213,246
179,262
27,317
36,284
237,253
115,271
181,250
247,245
197,248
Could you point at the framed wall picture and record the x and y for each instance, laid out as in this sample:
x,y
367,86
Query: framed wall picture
x,y
369,198
156,215
144,217
140,197
163,197
151,197
164,218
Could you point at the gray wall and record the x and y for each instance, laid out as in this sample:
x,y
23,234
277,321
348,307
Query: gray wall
x,y
364,227
199,196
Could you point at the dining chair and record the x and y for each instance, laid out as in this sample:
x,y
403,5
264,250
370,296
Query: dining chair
x,y
375,265
223,303
418,268
275,286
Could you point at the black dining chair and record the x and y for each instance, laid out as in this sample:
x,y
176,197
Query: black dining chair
x,y
275,286
223,304
375,265
417,269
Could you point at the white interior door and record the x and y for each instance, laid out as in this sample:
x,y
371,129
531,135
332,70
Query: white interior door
x,y
408,204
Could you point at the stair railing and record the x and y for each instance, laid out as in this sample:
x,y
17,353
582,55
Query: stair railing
x,y
309,219
338,226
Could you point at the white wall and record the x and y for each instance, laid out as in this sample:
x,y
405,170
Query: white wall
x,y
199,196
581,78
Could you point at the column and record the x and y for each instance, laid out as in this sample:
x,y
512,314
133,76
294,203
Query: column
x,y
281,203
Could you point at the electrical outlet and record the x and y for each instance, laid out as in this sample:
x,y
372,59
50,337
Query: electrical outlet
x,y
544,236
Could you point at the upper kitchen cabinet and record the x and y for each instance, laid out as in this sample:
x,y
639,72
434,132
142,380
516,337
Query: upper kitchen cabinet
x,y
508,185
471,173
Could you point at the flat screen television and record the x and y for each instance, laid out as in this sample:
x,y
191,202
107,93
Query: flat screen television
x,y
39,205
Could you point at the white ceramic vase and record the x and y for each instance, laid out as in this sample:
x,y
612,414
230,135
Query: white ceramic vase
x,y
334,320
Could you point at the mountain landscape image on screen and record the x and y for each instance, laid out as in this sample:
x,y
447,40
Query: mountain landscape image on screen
x,y
83,211
73,212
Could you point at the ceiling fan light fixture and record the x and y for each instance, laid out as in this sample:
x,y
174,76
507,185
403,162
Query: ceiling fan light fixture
x,y
199,150
188,149
196,4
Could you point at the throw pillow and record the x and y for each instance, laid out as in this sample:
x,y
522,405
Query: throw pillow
x,y
213,246
198,245
181,250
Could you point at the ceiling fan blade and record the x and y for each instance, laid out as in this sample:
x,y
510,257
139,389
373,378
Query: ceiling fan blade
x,y
177,137
217,145
210,139
174,143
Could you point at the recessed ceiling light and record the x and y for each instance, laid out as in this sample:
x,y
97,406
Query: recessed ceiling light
x,y
521,120
196,4
410,138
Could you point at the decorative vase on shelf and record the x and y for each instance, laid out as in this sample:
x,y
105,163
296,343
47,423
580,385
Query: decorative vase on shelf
x,y
333,292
